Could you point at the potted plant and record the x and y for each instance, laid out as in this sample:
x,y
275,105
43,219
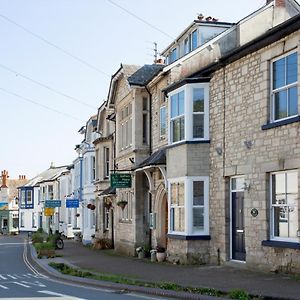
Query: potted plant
x,y
122,203
140,252
160,253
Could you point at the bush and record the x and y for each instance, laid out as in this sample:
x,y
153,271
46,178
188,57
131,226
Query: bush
x,y
239,295
37,237
44,246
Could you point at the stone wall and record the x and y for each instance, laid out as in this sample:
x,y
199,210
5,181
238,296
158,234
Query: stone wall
x,y
239,106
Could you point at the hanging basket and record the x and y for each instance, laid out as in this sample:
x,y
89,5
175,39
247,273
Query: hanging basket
x,y
92,207
77,215
89,206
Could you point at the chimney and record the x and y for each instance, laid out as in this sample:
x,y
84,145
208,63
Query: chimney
x,y
159,61
4,175
22,177
280,3
52,166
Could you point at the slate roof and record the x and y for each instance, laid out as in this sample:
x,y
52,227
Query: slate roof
x,y
155,159
145,74
49,175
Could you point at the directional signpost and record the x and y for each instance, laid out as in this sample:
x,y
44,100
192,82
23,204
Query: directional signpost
x,y
119,180
72,203
52,203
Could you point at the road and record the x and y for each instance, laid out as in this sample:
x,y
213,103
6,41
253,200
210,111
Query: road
x,y
19,280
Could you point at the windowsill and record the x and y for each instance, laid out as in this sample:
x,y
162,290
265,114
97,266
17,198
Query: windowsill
x,y
187,143
125,221
281,244
189,237
280,123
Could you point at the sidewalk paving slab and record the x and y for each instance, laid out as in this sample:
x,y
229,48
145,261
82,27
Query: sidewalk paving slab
x,y
223,278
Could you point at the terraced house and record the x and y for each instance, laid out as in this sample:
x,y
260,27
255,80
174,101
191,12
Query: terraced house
x,y
211,142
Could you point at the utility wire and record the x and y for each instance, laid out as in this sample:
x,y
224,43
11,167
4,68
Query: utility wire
x,y
41,105
54,45
141,19
46,86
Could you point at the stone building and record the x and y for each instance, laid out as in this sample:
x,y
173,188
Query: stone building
x,y
104,194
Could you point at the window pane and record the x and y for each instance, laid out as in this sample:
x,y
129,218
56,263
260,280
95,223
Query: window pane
x,y
198,125
198,218
291,68
174,194
198,100
237,184
279,73
293,101
178,219
194,40
174,106
280,105
292,183
163,124
181,194
178,129
198,193
186,46
181,103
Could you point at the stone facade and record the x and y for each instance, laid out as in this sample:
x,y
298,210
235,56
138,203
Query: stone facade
x,y
239,107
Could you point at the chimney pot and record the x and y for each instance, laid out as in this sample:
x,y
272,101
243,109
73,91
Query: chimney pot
x,y
280,3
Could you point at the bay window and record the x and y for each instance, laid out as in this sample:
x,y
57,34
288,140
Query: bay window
x,y
189,206
284,87
189,113
284,206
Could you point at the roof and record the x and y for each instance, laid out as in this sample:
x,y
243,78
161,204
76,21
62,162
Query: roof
x,y
108,191
155,159
126,71
50,174
144,75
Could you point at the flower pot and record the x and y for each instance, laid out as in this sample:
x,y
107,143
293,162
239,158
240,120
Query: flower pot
x,y
141,254
161,256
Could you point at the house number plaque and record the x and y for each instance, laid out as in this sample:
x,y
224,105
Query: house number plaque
x,y
254,212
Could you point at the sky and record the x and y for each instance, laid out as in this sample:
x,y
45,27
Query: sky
x,y
57,58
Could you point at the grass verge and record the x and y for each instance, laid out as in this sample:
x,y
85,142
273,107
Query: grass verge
x,y
234,294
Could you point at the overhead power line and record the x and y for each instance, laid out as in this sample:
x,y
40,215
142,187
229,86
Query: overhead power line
x,y
41,105
54,45
46,86
141,19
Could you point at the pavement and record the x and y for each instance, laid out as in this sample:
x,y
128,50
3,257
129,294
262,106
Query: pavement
x,y
223,278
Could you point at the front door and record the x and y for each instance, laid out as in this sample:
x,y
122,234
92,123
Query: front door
x,y
237,223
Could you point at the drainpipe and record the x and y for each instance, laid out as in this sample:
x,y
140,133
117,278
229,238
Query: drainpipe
x,y
150,119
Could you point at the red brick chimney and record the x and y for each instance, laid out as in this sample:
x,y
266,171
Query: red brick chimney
x,y
4,176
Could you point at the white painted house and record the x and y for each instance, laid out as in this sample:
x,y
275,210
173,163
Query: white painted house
x,y
85,175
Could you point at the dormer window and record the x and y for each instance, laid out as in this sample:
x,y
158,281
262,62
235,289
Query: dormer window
x,y
173,55
194,40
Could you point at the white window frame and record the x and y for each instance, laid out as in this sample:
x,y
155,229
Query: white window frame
x,y
188,112
29,192
188,205
49,193
272,237
93,165
283,88
125,126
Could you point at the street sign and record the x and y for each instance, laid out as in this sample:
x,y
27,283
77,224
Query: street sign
x,y
72,203
53,203
120,180
48,211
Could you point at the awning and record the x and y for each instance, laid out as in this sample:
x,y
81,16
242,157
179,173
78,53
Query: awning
x,y
155,159
108,191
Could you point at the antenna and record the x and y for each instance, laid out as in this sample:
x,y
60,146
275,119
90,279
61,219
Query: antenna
x,y
155,51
